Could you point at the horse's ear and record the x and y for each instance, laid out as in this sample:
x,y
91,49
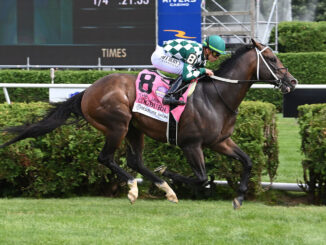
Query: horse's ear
x,y
254,42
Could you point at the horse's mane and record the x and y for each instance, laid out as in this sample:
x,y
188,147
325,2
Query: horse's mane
x,y
230,62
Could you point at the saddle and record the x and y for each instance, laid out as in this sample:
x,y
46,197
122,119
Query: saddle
x,y
151,87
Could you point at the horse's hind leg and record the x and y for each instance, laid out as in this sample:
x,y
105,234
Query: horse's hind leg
x,y
106,157
135,145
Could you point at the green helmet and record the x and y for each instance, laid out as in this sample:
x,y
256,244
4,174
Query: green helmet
x,y
215,43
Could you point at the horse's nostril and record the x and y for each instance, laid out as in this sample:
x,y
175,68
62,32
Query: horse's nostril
x,y
294,82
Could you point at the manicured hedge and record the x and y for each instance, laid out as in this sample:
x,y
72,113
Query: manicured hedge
x,y
64,162
308,68
298,36
61,163
312,120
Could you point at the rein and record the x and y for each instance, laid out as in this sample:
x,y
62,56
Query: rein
x,y
235,112
242,81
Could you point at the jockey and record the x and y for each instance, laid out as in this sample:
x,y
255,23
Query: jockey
x,y
188,59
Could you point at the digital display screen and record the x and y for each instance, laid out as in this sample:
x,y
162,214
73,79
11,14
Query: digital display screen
x,y
77,32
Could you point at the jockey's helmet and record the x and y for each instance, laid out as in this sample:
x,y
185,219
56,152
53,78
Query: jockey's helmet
x,y
215,43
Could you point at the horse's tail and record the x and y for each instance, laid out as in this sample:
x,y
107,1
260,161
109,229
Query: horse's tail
x,y
54,118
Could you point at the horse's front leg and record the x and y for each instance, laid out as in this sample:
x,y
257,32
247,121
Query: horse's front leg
x,y
195,158
229,148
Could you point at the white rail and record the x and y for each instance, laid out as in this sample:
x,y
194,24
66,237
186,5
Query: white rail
x,y
38,85
83,86
273,186
266,185
28,66
43,85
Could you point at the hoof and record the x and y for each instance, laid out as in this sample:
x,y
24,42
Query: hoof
x,y
160,169
133,192
170,195
236,204
172,198
132,197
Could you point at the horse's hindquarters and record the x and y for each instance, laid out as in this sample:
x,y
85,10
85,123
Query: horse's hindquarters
x,y
107,103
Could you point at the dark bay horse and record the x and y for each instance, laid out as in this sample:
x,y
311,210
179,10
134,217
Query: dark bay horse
x,y
208,119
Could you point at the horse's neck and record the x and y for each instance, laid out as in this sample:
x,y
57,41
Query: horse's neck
x,y
233,94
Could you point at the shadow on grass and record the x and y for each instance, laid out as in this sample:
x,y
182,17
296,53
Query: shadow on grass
x,y
283,198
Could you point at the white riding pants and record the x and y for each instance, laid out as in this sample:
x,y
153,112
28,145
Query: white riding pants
x,y
163,61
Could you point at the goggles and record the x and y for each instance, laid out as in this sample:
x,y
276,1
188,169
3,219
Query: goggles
x,y
215,54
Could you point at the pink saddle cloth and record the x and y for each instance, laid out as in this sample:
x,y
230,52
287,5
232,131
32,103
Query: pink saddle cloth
x,y
150,90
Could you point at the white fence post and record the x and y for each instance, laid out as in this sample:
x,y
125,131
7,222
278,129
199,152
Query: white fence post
x,y
52,75
5,91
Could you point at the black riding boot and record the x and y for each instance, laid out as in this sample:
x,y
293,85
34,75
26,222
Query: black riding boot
x,y
169,98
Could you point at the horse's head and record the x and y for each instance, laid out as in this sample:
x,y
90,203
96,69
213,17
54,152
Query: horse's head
x,y
269,67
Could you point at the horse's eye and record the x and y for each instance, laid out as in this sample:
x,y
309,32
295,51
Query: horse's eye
x,y
272,59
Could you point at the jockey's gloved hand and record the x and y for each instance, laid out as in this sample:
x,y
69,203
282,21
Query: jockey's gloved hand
x,y
209,72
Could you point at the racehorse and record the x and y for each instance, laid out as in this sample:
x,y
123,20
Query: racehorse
x,y
207,121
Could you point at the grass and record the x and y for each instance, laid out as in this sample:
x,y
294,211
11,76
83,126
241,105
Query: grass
x,y
290,157
115,221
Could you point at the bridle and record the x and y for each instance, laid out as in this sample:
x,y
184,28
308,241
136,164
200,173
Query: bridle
x,y
259,55
277,82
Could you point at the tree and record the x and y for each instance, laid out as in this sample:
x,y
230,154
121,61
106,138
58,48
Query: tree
x,y
309,10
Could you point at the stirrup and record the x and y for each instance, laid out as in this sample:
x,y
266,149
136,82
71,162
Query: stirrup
x,y
161,169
